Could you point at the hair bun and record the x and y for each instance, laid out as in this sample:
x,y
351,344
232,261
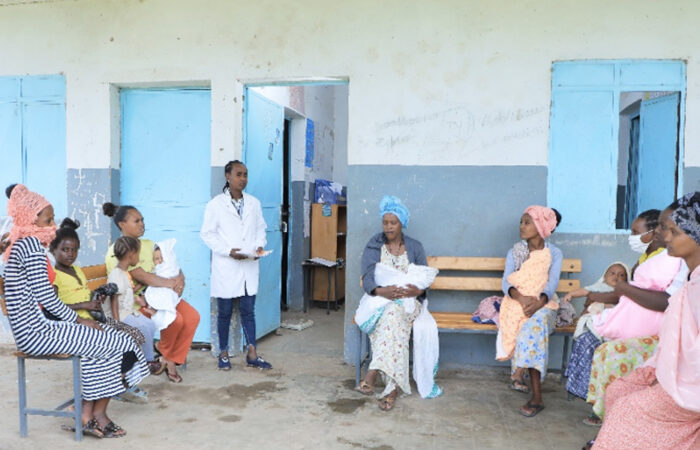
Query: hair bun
x,y
70,223
109,209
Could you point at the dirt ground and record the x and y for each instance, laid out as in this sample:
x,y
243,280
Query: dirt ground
x,y
306,401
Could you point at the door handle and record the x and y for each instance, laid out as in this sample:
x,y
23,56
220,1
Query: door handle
x,y
283,227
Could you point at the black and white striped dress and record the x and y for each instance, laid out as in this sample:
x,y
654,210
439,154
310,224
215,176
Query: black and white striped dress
x,y
26,285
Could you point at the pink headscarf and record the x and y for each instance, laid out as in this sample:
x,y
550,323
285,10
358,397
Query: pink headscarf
x,y
544,218
24,207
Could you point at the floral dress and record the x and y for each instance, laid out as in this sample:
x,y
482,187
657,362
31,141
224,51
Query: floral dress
x,y
615,359
390,338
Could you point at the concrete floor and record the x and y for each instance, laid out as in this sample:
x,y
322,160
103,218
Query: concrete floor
x,y
307,401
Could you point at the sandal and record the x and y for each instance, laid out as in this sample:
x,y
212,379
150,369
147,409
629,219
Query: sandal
x,y
173,377
520,386
387,403
365,388
534,409
588,445
89,429
593,421
156,367
112,430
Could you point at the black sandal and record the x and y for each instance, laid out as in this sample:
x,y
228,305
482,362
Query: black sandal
x,y
89,429
112,430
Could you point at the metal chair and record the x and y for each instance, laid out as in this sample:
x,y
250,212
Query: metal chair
x,y
24,411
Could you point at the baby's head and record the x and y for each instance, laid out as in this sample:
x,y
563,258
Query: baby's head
x,y
157,255
615,273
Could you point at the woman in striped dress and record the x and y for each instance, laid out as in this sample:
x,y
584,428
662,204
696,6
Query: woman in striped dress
x,y
110,360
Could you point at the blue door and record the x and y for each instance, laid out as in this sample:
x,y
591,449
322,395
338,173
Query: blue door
x,y
33,137
166,174
264,124
658,149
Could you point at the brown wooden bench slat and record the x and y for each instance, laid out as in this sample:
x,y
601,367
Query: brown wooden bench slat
x,y
463,321
488,284
472,263
52,356
94,272
2,296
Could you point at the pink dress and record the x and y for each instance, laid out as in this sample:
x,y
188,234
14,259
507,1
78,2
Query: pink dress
x,y
658,406
628,319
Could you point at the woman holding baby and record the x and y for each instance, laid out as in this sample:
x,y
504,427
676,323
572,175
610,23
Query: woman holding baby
x,y
176,339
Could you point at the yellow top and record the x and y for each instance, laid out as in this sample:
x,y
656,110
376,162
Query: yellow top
x,y
644,256
145,257
70,291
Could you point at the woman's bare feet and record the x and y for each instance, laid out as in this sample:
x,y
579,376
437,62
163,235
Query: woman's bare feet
x,y
387,403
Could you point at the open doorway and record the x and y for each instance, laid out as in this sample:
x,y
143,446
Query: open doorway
x,y
649,153
294,134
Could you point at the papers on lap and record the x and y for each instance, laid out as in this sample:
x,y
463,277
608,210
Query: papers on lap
x,y
252,254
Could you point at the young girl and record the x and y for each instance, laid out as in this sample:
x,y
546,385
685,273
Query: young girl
x,y
71,287
125,306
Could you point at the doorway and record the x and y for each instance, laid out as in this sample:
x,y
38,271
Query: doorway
x,y
293,134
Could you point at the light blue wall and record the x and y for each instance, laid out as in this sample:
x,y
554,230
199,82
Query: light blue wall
x,y
462,211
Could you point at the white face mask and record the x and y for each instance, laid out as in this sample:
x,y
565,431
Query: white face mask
x,y
636,244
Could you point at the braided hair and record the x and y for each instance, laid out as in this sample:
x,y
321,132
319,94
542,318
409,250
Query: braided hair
x,y
228,168
117,213
651,218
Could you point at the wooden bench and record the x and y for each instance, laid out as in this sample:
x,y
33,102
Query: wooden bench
x,y
97,276
454,276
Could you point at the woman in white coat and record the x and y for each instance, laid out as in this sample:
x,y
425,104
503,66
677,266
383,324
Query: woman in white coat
x,y
234,230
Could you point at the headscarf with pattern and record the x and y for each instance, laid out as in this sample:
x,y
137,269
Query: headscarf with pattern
x,y
24,206
687,215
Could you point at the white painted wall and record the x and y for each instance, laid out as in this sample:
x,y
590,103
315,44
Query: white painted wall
x,y
455,82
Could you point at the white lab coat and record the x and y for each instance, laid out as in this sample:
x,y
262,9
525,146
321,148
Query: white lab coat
x,y
223,229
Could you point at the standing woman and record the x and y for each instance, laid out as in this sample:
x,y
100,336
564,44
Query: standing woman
x,y
176,339
110,361
233,223
532,344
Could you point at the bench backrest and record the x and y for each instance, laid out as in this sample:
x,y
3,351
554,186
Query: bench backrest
x,y
96,277
489,283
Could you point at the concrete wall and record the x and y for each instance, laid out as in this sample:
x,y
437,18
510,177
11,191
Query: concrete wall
x,y
448,101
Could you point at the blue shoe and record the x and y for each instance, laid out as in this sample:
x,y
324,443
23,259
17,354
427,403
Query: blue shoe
x,y
259,363
224,363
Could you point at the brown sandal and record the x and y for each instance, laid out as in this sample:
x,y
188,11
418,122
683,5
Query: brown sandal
x,y
387,403
365,388
174,376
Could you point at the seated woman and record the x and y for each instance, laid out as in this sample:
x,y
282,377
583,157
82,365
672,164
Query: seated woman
x,y
389,336
176,339
619,357
531,351
578,369
658,405
110,361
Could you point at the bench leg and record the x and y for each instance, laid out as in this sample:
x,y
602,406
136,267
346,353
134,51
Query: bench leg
x,y
22,385
358,360
564,358
77,399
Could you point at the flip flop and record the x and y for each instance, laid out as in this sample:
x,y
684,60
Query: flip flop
x,y
173,377
364,388
593,421
535,409
387,403
519,386
89,429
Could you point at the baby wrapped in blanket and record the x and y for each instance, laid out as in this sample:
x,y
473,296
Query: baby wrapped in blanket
x,y
530,280
164,300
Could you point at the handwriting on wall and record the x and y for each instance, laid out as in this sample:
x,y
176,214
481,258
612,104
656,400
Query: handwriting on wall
x,y
461,126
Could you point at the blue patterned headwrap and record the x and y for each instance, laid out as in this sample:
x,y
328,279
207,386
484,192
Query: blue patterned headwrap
x,y
687,215
393,205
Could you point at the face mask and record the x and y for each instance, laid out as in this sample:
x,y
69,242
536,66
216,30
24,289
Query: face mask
x,y
636,244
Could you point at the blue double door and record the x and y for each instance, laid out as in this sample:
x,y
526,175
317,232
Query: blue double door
x,y
33,137
166,174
